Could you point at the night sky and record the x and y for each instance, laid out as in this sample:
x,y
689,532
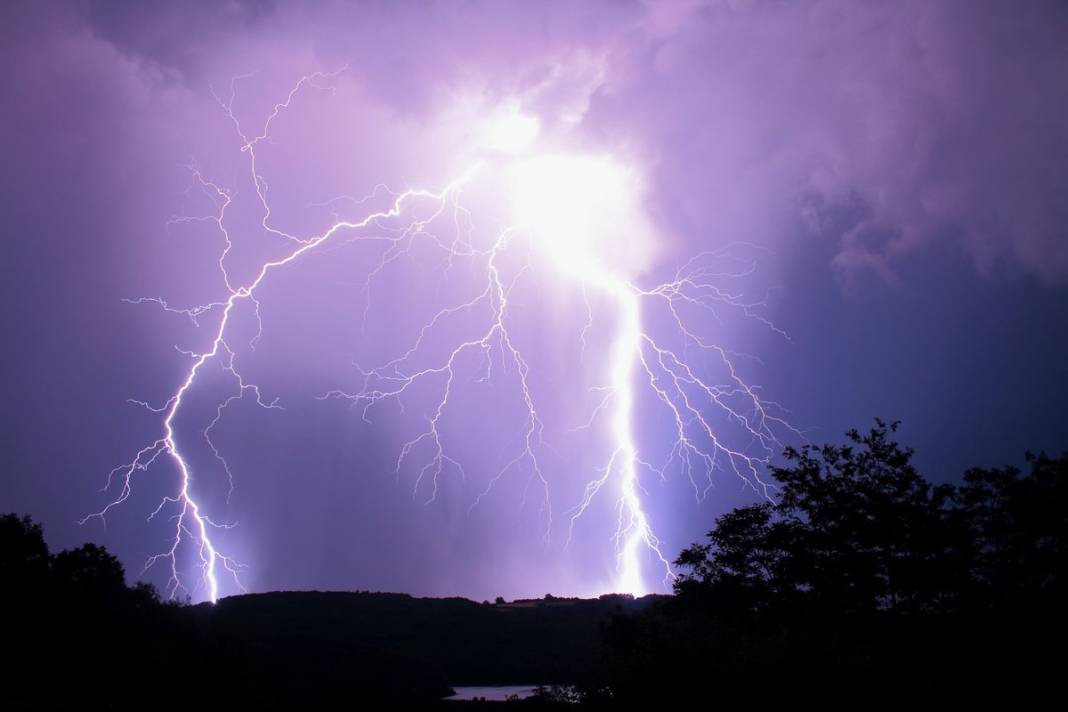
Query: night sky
x,y
885,183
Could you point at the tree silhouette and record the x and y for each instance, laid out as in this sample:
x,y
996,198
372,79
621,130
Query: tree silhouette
x,y
24,557
854,528
89,570
863,567
1019,525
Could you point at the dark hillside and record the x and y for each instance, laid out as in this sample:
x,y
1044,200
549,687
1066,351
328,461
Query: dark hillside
x,y
451,640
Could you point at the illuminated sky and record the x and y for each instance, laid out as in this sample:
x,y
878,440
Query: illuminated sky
x,y
884,184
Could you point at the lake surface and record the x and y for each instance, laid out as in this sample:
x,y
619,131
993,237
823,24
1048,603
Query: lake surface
x,y
497,693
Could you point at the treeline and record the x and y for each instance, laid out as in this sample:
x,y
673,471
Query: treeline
x,y
860,581
863,581
77,634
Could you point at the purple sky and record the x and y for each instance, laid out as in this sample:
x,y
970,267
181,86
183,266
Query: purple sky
x,y
898,172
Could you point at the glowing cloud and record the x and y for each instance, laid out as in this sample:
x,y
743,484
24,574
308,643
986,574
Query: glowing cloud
x,y
585,211
511,132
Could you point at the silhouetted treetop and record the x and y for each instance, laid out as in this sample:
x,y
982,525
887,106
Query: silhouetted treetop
x,y
90,570
855,527
1019,524
862,575
24,557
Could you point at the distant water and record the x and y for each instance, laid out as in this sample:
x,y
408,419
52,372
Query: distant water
x,y
495,693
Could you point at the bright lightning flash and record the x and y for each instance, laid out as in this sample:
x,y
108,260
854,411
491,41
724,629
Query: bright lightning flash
x,y
581,211
584,213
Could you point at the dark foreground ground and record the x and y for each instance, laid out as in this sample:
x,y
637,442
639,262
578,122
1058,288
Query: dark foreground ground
x,y
296,649
386,645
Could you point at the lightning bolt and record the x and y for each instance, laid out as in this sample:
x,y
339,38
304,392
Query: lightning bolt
x,y
638,357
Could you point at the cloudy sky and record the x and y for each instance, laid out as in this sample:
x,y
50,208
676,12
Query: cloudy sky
x,y
879,190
